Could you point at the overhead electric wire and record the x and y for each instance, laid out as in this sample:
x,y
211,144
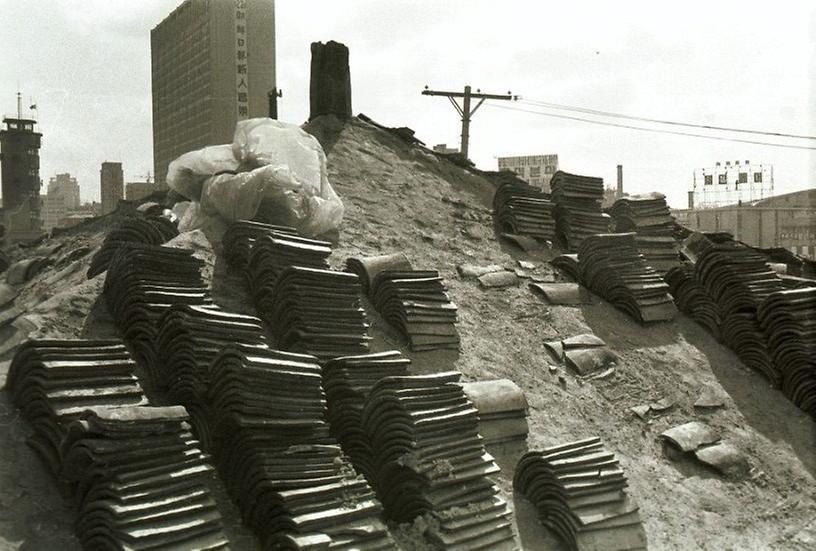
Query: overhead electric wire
x,y
656,130
660,121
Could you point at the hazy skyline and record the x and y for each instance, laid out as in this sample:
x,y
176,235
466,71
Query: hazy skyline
x,y
87,67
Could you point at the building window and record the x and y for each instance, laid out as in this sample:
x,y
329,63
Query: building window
x,y
757,177
743,177
709,179
520,170
722,179
535,171
549,169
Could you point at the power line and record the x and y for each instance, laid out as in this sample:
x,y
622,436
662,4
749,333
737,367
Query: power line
x,y
661,121
655,130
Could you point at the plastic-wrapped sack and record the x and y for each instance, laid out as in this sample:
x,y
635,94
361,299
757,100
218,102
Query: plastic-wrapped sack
x,y
189,215
290,187
187,173
272,194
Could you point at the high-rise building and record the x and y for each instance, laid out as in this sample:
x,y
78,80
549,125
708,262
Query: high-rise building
x,y
213,64
20,160
111,186
731,183
536,170
62,197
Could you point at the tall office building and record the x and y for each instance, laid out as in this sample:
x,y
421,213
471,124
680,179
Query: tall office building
x,y
61,198
20,161
111,186
213,64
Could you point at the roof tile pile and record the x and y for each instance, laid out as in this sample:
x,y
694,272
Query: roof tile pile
x,y
417,303
788,319
580,493
141,481
568,263
738,279
431,461
189,338
648,216
289,478
577,208
367,267
693,300
502,410
54,381
316,312
137,475
149,230
143,282
241,236
274,252
522,209
348,382
611,266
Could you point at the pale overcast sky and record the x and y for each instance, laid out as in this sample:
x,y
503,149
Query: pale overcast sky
x,y
86,64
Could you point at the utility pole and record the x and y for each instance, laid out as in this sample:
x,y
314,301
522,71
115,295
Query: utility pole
x,y
465,111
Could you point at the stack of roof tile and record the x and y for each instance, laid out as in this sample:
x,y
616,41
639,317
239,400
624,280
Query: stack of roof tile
x,y
142,282
648,216
150,230
502,410
692,298
580,493
788,320
430,461
140,481
367,267
289,478
53,381
417,303
522,209
611,266
348,382
568,263
272,253
739,279
316,312
241,236
189,338
577,208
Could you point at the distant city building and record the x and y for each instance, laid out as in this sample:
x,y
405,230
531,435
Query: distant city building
x,y
730,183
213,64
537,170
139,190
62,196
80,214
111,186
20,159
444,149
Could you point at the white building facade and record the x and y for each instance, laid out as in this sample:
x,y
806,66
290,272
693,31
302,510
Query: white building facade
x,y
537,170
731,183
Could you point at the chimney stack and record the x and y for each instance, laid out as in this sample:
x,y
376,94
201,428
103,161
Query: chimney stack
x,y
330,84
619,194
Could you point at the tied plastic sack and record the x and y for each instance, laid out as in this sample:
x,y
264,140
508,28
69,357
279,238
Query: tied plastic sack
x,y
188,173
288,183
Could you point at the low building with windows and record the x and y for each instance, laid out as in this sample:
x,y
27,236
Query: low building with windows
x,y
731,183
537,170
